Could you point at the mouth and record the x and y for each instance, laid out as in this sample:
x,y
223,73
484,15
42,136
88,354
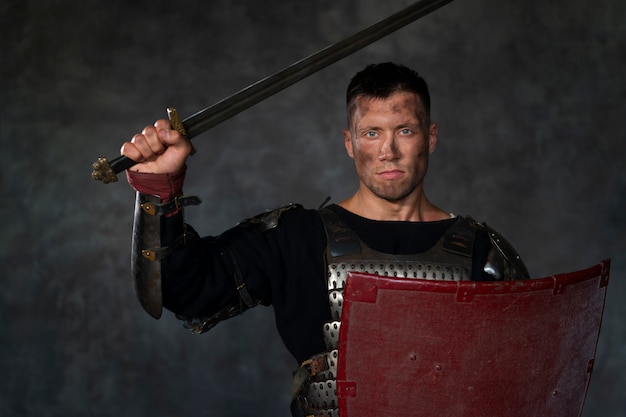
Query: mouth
x,y
390,174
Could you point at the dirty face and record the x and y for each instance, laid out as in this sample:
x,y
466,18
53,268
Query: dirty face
x,y
390,140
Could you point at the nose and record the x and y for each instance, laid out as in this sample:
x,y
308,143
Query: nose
x,y
388,148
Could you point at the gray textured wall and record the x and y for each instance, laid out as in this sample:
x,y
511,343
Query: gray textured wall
x,y
530,100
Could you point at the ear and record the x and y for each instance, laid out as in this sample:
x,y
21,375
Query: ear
x,y
432,138
347,141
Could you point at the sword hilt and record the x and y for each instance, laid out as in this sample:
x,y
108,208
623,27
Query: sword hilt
x,y
106,171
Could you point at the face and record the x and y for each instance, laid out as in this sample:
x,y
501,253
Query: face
x,y
390,141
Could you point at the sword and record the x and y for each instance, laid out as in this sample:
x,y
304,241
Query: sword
x,y
192,126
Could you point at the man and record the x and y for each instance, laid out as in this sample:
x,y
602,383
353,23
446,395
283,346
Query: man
x,y
297,259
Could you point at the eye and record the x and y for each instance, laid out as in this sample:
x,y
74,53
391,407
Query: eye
x,y
405,131
370,134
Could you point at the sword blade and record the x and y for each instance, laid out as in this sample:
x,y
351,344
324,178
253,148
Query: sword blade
x,y
266,87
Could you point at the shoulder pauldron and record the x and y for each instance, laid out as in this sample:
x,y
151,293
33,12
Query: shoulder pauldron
x,y
270,219
503,261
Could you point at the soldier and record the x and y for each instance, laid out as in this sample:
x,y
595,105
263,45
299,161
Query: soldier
x,y
296,258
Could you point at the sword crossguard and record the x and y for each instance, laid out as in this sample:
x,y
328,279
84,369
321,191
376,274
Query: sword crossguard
x,y
177,125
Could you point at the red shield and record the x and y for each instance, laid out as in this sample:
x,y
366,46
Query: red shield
x,y
436,348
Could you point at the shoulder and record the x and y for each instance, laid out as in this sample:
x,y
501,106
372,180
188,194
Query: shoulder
x,y
503,261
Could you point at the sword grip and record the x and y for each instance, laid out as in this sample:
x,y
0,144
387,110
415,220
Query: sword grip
x,y
121,163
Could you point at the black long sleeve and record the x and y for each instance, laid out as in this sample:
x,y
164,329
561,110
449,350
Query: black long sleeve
x,y
283,267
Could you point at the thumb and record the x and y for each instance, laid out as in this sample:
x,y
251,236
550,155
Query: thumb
x,y
175,141
171,137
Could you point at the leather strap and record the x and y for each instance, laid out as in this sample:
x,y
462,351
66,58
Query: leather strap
x,y
161,209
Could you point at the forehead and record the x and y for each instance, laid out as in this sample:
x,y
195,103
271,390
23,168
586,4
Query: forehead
x,y
398,105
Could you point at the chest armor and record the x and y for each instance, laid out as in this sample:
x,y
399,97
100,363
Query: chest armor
x,y
449,259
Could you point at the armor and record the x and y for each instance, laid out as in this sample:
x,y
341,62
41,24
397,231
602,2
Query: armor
x,y
503,262
147,253
314,387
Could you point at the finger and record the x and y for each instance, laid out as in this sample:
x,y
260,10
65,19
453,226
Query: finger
x,y
172,138
153,140
163,124
142,148
129,150
167,135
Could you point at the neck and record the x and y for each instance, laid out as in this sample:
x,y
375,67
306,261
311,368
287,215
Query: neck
x,y
416,208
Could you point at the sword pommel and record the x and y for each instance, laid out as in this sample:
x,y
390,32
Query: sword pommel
x,y
106,171
102,171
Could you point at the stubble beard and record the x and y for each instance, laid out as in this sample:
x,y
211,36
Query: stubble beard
x,y
392,193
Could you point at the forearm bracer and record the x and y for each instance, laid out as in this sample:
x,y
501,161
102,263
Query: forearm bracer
x,y
147,251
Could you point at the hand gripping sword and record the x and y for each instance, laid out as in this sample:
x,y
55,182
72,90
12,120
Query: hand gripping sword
x,y
106,171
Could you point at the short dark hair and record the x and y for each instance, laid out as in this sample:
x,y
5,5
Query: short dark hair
x,y
381,81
